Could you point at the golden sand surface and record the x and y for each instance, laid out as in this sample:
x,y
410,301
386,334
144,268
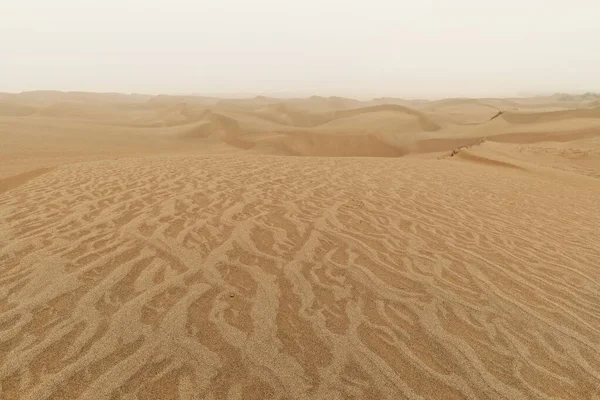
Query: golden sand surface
x,y
181,247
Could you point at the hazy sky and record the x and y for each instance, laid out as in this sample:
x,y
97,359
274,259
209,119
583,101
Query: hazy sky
x,y
419,48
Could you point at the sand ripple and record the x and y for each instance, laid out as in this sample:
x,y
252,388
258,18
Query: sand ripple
x,y
224,277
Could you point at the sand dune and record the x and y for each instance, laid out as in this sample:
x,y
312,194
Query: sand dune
x,y
324,104
83,125
323,248
392,113
11,109
529,118
283,114
331,145
465,111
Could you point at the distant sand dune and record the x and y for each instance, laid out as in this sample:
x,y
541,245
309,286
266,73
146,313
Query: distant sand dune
x,y
530,118
227,129
11,109
426,123
282,114
327,145
78,111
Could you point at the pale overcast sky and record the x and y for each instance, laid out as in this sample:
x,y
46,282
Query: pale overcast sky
x,y
420,48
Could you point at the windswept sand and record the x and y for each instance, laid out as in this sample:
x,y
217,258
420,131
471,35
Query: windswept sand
x,y
197,248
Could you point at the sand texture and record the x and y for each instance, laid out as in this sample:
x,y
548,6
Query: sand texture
x,y
321,248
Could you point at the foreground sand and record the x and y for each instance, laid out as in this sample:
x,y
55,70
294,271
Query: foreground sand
x,y
471,274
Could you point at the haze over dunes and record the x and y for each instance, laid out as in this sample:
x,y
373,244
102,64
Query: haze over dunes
x,y
189,247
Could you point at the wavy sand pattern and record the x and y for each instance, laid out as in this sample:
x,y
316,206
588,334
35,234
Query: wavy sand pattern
x,y
245,276
262,277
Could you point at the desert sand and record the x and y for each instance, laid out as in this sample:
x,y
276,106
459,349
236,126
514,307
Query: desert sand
x,y
186,247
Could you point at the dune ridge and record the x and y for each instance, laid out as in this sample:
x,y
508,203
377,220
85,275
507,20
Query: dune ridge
x,y
551,116
265,125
